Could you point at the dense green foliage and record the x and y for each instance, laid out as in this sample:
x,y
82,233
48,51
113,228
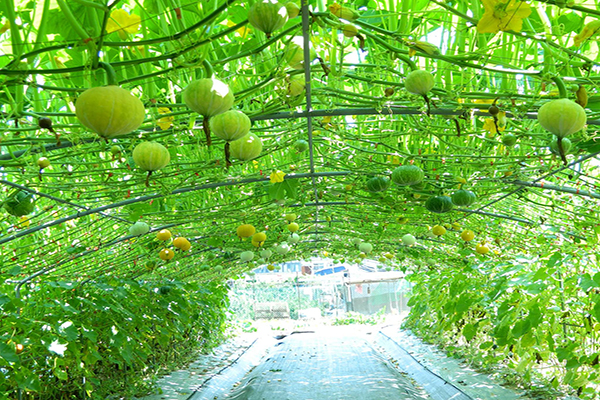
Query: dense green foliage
x,y
322,124
102,337
540,317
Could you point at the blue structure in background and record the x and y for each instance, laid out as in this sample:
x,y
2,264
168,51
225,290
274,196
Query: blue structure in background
x,y
332,270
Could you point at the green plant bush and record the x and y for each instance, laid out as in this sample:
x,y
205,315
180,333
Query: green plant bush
x,y
541,319
357,318
103,337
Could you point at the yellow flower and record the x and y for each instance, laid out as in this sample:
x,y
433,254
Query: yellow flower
x,y
5,27
165,122
490,126
24,222
243,31
120,21
587,32
503,15
276,176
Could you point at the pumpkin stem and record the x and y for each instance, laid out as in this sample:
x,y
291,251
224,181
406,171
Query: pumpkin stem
x,y
428,105
560,85
206,131
111,75
208,69
324,66
561,150
227,155
148,178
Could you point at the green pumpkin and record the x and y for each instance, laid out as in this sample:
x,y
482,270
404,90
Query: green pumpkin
x,y
509,140
407,175
267,16
294,53
19,204
566,145
151,156
562,117
230,125
301,145
463,198
246,148
208,97
139,228
293,9
164,290
439,204
292,86
377,184
109,111
419,82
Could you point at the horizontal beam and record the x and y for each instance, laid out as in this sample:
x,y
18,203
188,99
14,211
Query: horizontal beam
x,y
502,216
556,188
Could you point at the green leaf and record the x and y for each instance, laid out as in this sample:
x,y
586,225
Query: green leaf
x,y
521,327
8,353
502,334
469,331
586,282
282,190
597,310
555,260
571,22
464,303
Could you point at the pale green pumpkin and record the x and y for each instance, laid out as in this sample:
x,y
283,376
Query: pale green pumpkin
x,y
267,16
151,156
109,111
208,97
562,117
294,53
230,125
246,148
419,82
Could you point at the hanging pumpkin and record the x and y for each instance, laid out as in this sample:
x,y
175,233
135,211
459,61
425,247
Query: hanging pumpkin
x,y
109,111
229,126
463,198
419,82
208,97
378,184
562,117
139,228
407,175
439,204
246,148
151,156
566,144
19,204
267,16
294,53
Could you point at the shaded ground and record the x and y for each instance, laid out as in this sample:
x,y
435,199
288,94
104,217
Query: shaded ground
x,y
337,363
346,362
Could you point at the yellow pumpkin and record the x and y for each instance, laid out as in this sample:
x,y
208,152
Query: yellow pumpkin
x,y
182,243
109,111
